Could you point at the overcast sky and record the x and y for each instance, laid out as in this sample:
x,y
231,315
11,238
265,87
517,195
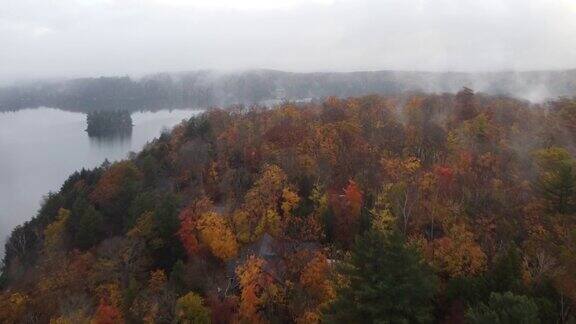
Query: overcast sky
x,y
64,38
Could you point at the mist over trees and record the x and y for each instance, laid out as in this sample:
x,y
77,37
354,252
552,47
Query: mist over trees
x,y
409,208
204,89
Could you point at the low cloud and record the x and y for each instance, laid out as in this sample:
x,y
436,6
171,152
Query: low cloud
x,y
69,38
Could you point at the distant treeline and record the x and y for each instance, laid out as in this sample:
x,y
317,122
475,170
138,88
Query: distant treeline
x,y
204,89
108,123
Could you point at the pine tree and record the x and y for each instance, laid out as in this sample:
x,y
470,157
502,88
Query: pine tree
x,y
504,308
90,228
557,178
386,281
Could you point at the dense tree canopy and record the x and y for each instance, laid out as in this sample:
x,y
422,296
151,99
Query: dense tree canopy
x,y
403,208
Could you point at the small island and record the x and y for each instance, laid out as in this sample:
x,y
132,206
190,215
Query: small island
x,y
108,123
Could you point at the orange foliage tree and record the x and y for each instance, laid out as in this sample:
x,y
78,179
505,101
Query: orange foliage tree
x,y
107,314
348,207
257,289
114,181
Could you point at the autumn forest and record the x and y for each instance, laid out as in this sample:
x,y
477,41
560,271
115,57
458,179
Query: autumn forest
x,y
407,208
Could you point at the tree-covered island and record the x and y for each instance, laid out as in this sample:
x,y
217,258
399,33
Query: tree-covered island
x,y
108,123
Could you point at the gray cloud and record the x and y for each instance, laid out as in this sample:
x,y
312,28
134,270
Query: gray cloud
x,y
65,38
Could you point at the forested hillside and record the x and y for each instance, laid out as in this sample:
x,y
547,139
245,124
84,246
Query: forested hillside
x,y
205,89
407,208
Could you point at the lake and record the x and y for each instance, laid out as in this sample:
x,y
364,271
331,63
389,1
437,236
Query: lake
x,y
40,148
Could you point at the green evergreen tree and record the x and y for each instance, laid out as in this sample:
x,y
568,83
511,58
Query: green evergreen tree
x,y
557,179
143,202
504,308
166,223
507,272
388,282
328,225
90,228
177,280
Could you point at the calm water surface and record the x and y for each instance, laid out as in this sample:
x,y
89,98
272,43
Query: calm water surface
x,y
40,148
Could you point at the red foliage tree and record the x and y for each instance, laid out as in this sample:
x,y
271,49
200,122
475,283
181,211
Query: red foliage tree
x,y
187,233
347,208
107,314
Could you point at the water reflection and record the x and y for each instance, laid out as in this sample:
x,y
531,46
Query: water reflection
x,y
40,148
120,140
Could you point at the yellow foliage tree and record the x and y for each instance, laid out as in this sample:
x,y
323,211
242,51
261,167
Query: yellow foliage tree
x,y
13,307
217,235
290,200
54,232
269,223
260,212
190,309
241,222
382,220
457,253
